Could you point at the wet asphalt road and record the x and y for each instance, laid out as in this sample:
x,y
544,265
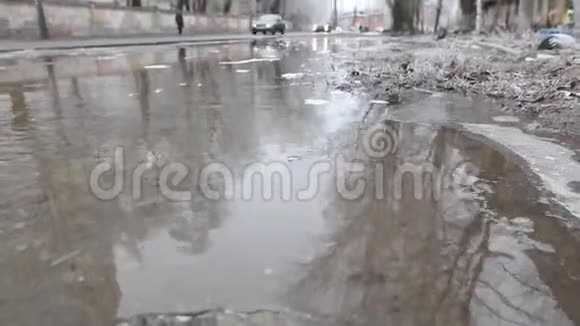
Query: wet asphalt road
x,y
490,240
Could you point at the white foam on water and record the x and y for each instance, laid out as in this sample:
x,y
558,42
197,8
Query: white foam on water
x,y
243,62
242,71
541,155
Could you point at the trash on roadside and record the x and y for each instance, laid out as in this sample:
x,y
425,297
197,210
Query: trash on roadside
x,y
64,258
557,41
315,102
292,76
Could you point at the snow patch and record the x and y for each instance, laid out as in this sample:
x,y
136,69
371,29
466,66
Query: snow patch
x,y
157,67
293,76
315,102
539,155
505,118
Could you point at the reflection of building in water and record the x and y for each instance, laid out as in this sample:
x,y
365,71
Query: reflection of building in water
x,y
434,262
57,260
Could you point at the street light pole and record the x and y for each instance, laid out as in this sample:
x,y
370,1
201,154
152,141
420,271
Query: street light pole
x,y
43,28
479,15
251,4
334,13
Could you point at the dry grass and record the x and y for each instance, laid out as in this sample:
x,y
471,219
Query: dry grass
x,y
523,83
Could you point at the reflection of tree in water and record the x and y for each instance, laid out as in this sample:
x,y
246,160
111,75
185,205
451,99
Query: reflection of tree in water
x,y
397,262
418,262
63,276
193,223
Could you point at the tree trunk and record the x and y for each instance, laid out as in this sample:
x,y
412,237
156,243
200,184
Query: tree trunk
x,y
403,15
227,6
275,7
468,10
438,15
478,16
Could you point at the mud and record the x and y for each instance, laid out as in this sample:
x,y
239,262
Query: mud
x,y
539,85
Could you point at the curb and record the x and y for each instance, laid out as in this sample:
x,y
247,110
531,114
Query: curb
x,y
110,43
92,44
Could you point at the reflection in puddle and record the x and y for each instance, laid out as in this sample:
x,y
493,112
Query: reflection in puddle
x,y
464,259
485,252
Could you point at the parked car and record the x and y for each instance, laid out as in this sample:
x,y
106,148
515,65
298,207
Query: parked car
x,y
269,24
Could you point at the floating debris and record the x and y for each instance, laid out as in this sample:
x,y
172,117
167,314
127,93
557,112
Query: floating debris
x,y
293,76
243,62
19,226
64,258
159,90
294,158
183,84
21,248
243,71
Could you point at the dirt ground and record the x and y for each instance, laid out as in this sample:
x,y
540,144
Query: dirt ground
x,y
539,85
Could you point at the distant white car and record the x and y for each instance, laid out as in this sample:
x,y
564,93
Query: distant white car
x,y
321,28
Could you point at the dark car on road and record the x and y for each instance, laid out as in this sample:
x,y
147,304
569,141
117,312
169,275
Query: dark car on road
x,y
269,24
321,28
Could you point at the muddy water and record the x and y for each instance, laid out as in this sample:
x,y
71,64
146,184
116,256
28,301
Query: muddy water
x,y
492,241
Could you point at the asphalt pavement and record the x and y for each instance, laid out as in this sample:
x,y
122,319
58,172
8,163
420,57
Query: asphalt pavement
x,y
18,45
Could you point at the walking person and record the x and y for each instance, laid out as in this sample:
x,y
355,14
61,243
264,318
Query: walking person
x,y
179,21
569,17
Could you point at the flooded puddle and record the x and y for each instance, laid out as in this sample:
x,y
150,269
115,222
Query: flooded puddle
x,y
180,179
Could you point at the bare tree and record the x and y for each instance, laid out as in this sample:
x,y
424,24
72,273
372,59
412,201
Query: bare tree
x,y
438,14
227,6
404,14
200,6
275,7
